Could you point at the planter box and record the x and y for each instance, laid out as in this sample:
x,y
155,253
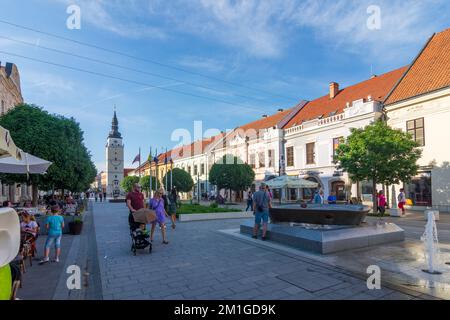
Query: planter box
x,y
117,200
214,216
75,228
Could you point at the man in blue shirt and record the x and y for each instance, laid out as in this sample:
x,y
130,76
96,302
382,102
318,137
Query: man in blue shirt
x,y
261,205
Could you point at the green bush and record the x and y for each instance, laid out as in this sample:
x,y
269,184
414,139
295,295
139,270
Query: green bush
x,y
77,221
214,205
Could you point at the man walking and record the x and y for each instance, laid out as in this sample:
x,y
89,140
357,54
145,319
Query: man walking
x,y
261,204
135,201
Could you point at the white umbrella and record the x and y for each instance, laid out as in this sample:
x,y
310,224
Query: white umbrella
x,y
7,146
29,164
291,182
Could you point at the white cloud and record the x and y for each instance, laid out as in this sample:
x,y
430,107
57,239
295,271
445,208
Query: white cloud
x,y
46,84
343,24
109,15
266,29
206,64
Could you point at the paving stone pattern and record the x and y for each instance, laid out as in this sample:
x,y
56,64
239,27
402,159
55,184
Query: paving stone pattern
x,y
202,263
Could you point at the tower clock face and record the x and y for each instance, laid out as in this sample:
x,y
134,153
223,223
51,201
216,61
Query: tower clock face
x,y
115,162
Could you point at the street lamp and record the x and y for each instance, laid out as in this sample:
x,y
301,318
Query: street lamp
x,y
198,187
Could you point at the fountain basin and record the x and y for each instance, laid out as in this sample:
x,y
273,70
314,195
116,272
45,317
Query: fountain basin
x,y
326,214
329,239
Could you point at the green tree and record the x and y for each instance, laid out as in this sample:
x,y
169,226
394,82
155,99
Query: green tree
x,y
53,138
380,154
231,173
181,180
145,183
128,182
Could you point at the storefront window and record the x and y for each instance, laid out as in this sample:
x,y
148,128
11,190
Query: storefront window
x,y
309,193
366,190
338,188
419,189
292,194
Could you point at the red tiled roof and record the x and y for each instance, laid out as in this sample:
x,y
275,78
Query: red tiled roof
x,y
126,171
195,148
377,87
430,71
266,122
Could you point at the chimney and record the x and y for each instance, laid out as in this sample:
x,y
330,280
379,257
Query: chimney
x,y
280,110
264,116
334,89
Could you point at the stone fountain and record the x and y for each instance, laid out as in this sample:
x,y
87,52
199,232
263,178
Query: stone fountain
x,y
325,228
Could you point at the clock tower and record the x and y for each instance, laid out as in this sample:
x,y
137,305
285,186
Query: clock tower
x,y
114,160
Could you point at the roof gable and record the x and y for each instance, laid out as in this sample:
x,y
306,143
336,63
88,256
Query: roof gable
x,y
377,88
430,71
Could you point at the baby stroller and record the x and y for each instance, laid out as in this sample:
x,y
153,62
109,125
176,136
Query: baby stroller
x,y
139,238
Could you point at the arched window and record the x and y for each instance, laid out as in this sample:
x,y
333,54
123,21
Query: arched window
x,y
338,188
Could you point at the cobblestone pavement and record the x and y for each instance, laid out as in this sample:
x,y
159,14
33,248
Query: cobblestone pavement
x,y
203,263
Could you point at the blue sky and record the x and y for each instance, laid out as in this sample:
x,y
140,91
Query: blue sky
x,y
289,50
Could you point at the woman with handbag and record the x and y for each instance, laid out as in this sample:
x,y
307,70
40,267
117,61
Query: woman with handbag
x,y
157,204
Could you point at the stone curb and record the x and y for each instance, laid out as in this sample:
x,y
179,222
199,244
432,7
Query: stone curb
x,y
214,216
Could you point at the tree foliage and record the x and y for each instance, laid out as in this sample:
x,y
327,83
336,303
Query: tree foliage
x,y
380,154
181,180
53,138
231,173
145,183
128,182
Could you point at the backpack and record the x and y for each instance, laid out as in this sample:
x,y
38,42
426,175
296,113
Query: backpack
x,y
260,206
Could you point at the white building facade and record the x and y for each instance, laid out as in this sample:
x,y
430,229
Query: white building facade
x,y
420,105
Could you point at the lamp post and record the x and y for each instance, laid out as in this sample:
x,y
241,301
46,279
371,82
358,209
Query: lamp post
x,y
198,187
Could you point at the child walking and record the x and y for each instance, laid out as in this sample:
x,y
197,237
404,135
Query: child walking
x,y
55,225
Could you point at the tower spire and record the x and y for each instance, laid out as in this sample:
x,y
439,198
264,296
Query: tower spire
x,y
114,133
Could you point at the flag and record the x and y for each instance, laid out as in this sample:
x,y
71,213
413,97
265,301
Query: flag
x,y
137,158
150,156
155,159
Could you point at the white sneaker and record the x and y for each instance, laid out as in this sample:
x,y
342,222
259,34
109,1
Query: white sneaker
x,y
56,260
45,260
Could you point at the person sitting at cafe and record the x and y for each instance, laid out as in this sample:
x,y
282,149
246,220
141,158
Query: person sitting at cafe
x,y
332,198
7,204
29,227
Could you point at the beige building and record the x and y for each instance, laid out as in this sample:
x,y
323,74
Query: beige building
x,y
10,93
10,96
420,105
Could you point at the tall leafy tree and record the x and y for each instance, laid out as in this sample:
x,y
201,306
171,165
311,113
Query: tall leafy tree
x,y
145,183
53,138
128,182
232,173
380,154
181,180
